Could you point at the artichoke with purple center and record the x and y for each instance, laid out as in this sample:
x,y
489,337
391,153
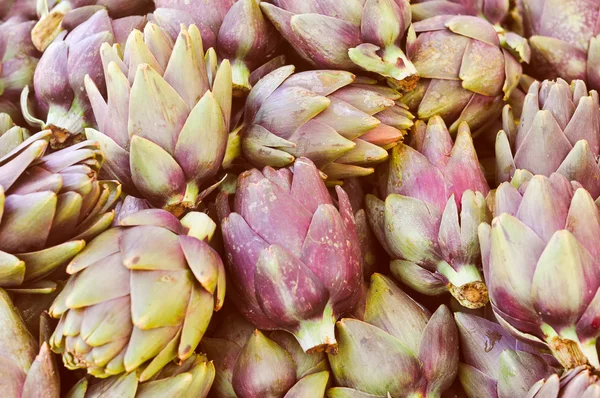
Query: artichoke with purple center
x,y
27,370
251,363
433,203
193,378
236,29
343,124
355,35
294,260
58,16
164,123
468,70
160,283
398,349
540,260
563,35
559,131
50,205
60,101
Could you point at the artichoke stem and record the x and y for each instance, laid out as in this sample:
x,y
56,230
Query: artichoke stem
x,y
66,125
240,76
465,284
567,352
318,335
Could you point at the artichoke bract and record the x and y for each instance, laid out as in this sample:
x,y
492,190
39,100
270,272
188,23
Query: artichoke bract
x,y
540,258
60,98
50,204
18,8
193,378
294,260
399,349
18,58
164,124
251,363
351,35
494,11
491,356
559,131
58,16
563,35
161,282
11,135
345,127
579,382
428,220
236,29
27,370
467,71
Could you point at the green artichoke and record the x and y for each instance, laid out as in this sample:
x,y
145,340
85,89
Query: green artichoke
x,y
399,349
434,200
140,295
540,256
164,125
25,370
467,70
193,378
251,363
343,124
559,131
51,204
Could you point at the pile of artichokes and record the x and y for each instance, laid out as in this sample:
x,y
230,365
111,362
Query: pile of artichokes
x,y
300,198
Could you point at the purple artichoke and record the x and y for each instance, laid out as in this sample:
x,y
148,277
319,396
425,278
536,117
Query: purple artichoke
x,y
399,349
164,123
58,81
294,260
58,16
342,123
468,70
51,204
236,29
18,58
355,35
563,35
559,131
541,262
428,220
251,363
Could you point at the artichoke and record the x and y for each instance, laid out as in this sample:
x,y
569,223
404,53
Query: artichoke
x,y
559,131
236,29
58,81
11,135
193,378
160,281
342,126
294,260
27,371
540,258
467,70
251,363
491,356
58,16
165,122
51,204
564,39
355,35
18,58
429,218
399,349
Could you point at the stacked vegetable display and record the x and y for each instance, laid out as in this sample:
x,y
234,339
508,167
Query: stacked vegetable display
x,y
299,199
